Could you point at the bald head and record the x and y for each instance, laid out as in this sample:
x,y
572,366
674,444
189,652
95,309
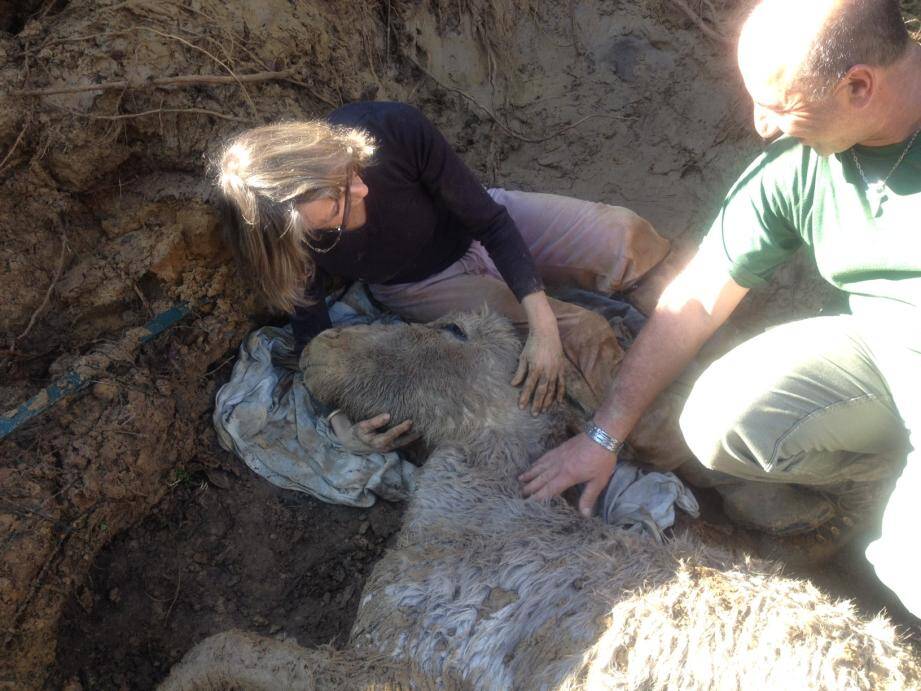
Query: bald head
x,y
809,45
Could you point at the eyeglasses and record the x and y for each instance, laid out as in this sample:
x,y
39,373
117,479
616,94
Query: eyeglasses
x,y
347,205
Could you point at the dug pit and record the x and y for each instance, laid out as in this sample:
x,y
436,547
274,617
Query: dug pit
x,y
127,533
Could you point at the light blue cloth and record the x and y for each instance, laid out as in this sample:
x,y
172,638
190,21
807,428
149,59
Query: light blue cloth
x,y
645,501
266,416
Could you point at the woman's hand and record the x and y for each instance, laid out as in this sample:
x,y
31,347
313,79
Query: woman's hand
x,y
365,437
540,371
540,366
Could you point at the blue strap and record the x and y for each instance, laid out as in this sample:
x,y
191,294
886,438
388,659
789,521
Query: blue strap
x,y
72,382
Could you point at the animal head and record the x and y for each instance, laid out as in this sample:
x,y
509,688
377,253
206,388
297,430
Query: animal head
x,y
451,376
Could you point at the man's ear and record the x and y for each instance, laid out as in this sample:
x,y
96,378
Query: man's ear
x,y
860,82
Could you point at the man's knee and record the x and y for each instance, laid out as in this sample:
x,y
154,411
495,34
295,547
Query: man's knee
x,y
704,431
801,401
727,423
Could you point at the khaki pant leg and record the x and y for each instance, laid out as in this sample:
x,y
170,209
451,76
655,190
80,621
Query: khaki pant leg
x,y
802,403
583,244
589,343
894,555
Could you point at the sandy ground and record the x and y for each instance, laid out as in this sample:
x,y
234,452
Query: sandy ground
x,y
126,533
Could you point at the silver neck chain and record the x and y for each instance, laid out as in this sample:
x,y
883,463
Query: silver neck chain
x,y
881,183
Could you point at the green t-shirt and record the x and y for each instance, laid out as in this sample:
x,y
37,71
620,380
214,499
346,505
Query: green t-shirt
x,y
790,197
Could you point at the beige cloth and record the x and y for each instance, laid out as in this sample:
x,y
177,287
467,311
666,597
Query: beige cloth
x,y
574,243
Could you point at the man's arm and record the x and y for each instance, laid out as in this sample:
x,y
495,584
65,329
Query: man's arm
x,y
694,305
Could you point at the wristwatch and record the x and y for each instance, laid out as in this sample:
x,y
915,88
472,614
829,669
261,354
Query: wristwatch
x,y
602,438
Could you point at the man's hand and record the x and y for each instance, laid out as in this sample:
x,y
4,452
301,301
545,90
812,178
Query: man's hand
x,y
364,437
577,460
540,370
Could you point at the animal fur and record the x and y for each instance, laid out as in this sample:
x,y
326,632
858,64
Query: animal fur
x,y
491,591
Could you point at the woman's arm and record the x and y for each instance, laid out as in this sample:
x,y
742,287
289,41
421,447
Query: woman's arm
x,y
444,175
447,178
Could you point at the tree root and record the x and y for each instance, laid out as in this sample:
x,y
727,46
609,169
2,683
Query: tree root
x,y
44,303
160,111
504,127
9,153
693,16
180,80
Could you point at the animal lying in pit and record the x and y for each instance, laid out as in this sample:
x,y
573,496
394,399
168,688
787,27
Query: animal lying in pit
x,y
484,589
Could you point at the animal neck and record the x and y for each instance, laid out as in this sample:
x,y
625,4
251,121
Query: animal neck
x,y
514,442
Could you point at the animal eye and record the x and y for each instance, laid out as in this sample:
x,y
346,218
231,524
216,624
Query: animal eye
x,y
454,330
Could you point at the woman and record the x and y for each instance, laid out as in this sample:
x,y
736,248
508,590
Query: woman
x,y
375,193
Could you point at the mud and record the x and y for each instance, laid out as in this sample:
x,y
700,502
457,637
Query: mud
x,y
126,534
223,550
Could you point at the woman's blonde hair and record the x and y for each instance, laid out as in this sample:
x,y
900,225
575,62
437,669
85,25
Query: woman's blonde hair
x,y
261,173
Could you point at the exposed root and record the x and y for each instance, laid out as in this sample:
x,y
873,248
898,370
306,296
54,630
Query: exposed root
x,y
9,153
504,127
180,80
694,17
44,303
240,42
39,580
211,55
160,111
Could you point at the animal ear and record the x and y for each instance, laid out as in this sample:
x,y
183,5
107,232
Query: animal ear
x,y
455,330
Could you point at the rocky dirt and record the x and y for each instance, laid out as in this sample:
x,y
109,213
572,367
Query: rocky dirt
x,y
126,533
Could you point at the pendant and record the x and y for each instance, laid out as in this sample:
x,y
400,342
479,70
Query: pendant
x,y
877,196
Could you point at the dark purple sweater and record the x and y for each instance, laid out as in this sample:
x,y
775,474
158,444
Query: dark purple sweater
x,y
424,209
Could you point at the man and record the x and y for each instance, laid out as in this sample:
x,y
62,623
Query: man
x,y
827,409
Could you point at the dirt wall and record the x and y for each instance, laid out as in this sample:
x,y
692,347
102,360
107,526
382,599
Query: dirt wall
x,y
106,219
